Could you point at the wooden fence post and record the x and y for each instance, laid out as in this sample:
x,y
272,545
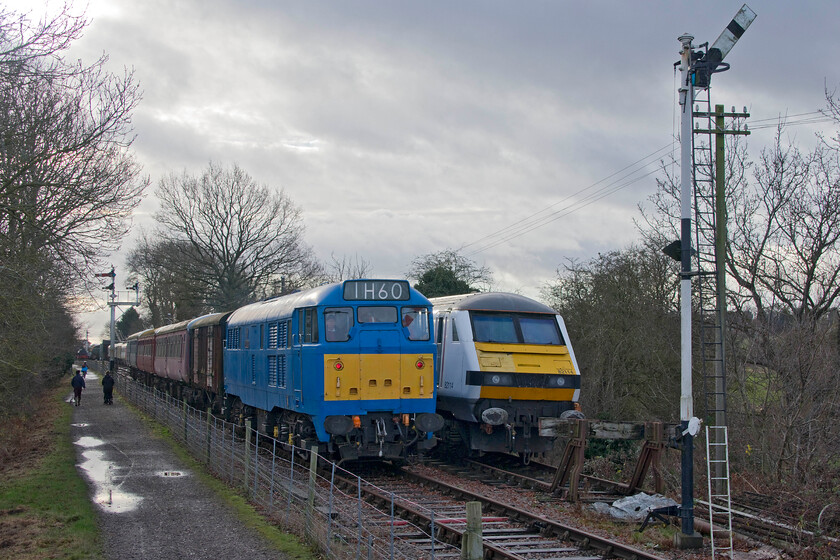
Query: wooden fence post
x,y
472,547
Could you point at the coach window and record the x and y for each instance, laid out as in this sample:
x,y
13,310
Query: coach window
x,y
337,323
416,320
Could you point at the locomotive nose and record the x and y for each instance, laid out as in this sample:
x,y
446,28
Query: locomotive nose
x,y
494,416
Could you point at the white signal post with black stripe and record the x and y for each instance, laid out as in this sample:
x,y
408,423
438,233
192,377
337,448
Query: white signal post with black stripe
x,y
696,72
113,303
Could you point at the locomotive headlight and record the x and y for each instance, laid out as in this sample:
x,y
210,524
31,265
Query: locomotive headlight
x,y
501,379
560,381
420,364
338,365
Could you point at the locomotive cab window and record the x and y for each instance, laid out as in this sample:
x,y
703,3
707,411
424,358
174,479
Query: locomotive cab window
x,y
540,329
337,323
377,314
416,320
509,328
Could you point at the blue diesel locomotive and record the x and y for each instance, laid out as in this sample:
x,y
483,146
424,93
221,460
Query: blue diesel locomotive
x,y
346,366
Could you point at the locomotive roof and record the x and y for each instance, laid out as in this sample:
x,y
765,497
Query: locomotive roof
x,y
328,294
284,305
492,301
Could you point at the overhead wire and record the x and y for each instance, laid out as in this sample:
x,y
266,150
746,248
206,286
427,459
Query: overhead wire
x,y
541,218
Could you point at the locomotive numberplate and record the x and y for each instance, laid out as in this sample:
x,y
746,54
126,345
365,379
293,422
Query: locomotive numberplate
x,y
376,290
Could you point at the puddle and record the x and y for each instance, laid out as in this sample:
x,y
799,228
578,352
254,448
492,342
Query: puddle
x,y
80,425
87,441
101,472
169,474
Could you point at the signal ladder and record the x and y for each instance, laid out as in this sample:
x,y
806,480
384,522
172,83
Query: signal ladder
x,y
711,298
720,504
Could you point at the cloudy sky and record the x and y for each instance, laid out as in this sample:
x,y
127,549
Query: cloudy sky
x,y
523,133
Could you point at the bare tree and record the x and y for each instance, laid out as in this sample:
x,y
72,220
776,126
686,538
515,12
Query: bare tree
x,y
783,265
241,236
167,295
347,268
621,312
68,185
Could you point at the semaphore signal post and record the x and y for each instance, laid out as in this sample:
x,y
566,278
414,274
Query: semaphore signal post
x,y
697,69
116,299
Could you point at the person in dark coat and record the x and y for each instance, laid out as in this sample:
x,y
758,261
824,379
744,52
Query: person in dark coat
x,y
108,388
78,383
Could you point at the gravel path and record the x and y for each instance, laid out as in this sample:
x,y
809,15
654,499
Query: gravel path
x,y
150,506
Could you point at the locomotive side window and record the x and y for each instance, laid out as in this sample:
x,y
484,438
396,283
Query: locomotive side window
x,y
308,325
337,323
416,320
377,314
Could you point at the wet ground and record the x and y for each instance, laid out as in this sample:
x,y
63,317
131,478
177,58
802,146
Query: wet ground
x,y
150,505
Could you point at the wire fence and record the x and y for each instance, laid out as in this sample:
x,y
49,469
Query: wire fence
x,y
329,511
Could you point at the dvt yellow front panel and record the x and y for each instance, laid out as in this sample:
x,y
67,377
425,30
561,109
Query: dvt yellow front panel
x,y
525,358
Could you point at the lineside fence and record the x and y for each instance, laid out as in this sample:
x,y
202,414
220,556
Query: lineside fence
x,y
282,481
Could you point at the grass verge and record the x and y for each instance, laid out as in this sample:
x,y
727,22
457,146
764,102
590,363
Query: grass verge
x,y
45,507
45,510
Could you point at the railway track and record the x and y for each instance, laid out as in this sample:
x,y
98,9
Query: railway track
x,y
755,516
431,506
504,469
